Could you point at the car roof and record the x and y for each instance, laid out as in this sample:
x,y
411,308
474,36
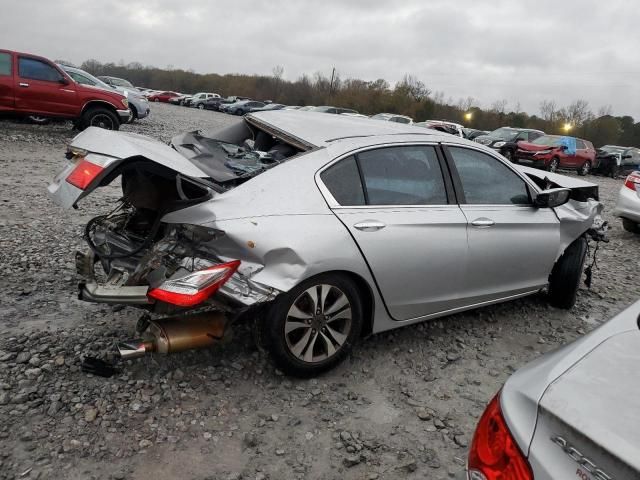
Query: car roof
x,y
319,129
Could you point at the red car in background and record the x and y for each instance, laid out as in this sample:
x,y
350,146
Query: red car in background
x,y
35,87
163,96
550,152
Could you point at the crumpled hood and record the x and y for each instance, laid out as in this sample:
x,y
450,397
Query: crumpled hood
x,y
533,147
126,145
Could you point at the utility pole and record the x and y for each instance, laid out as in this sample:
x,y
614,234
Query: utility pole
x,y
333,74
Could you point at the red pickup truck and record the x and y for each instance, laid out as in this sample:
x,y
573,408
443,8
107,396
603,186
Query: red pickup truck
x,y
34,86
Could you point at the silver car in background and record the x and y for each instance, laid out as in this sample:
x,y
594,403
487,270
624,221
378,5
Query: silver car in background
x,y
573,413
137,100
320,229
628,206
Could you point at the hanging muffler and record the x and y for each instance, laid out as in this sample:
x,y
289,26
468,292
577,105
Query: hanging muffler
x,y
177,334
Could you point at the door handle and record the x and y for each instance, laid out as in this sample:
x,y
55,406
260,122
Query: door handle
x,y
483,222
24,85
369,226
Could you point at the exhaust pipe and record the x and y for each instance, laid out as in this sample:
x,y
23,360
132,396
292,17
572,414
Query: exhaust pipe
x,y
177,334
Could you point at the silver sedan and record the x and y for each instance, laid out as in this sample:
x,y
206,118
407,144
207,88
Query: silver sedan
x,y
571,414
628,207
321,229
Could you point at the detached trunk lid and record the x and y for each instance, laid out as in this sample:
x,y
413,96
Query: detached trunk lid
x,y
589,418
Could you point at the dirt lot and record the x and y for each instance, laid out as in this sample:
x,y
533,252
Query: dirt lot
x,y
403,406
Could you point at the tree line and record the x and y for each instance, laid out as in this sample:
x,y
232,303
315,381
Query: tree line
x,y
410,96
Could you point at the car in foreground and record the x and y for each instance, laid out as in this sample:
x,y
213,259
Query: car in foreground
x,y
241,107
334,110
138,104
320,229
613,160
573,413
33,86
505,139
628,205
552,152
162,96
392,117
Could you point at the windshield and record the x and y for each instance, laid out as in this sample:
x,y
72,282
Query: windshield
x,y
121,82
612,149
548,140
505,134
85,78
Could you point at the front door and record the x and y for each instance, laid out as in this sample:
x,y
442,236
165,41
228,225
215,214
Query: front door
x,y
394,202
6,81
41,88
512,244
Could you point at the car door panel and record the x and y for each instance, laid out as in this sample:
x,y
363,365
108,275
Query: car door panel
x,y
512,244
48,97
418,256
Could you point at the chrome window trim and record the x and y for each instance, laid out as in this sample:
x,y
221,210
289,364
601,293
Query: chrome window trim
x,y
333,203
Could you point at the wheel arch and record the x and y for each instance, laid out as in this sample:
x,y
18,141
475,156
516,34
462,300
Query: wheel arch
x,y
98,103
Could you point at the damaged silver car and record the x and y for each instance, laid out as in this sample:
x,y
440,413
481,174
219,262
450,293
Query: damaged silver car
x,y
319,228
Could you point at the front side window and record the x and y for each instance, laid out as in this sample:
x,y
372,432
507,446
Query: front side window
x,y
81,79
408,175
486,180
37,70
343,181
5,63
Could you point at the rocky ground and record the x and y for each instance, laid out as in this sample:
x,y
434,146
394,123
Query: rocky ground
x,y
404,405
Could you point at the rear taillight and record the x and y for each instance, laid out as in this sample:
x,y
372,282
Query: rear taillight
x,y
84,173
494,453
195,287
632,181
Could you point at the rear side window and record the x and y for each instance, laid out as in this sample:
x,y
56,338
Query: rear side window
x,y
37,70
5,63
580,144
343,181
408,175
487,181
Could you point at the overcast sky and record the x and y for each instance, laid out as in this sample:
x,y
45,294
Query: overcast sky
x,y
521,51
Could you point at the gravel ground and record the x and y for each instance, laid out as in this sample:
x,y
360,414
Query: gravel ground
x,y
404,405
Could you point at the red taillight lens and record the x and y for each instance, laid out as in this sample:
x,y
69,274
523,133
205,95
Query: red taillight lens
x,y
494,453
196,287
632,181
84,173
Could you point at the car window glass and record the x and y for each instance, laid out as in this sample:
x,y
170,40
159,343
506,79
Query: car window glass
x,y
80,78
37,70
402,176
580,144
343,181
486,180
5,64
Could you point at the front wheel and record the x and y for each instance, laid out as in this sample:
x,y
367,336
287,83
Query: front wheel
x,y
508,154
313,327
553,165
200,106
99,117
585,169
240,112
565,276
630,226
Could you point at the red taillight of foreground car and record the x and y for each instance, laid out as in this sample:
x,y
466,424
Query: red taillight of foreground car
x,y
84,173
632,181
494,453
195,287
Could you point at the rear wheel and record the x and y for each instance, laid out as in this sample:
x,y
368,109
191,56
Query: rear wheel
x,y
630,225
313,327
508,154
201,106
156,99
553,164
585,168
565,276
99,117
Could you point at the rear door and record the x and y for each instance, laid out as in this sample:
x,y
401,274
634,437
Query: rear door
x,y
395,203
581,154
512,244
6,81
41,88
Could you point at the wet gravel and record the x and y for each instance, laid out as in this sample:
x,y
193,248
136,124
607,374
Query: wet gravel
x,y
404,405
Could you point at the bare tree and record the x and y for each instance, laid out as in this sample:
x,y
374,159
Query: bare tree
x,y
465,104
278,71
549,110
499,106
413,87
605,111
578,112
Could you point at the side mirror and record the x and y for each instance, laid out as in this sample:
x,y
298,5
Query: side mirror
x,y
553,197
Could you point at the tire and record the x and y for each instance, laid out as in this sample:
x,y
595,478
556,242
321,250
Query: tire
x,y
585,168
240,112
508,154
134,114
553,165
156,99
630,226
99,117
564,280
316,341
200,106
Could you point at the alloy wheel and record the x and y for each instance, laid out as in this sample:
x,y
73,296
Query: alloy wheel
x,y
318,323
103,121
586,168
553,166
